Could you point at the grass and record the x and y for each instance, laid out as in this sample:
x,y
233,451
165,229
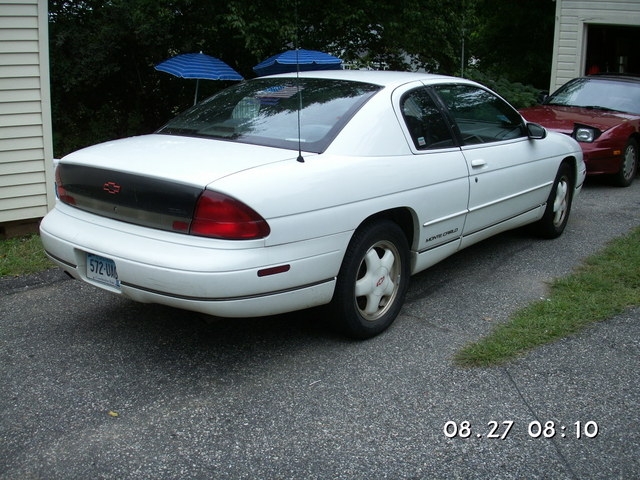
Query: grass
x,y
605,285
22,255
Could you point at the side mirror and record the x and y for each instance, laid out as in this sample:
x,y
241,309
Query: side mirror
x,y
535,131
542,97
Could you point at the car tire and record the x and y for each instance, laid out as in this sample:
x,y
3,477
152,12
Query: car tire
x,y
556,214
373,280
629,166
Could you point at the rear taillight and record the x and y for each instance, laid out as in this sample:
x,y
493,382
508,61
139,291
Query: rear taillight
x,y
219,216
61,191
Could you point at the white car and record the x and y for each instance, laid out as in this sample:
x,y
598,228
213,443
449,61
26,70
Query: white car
x,y
293,191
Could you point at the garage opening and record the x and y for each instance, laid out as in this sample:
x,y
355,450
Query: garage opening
x,y
612,48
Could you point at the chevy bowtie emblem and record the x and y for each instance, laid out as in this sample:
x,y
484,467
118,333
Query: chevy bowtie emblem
x,y
111,188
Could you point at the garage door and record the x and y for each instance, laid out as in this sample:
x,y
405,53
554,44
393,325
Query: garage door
x,y
612,48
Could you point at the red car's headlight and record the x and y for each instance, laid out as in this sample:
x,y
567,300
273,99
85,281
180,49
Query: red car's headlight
x,y
585,134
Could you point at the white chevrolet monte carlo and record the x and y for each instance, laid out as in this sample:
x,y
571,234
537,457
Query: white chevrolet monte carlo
x,y
292,191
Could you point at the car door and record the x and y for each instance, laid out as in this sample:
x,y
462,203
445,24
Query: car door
x,y
509,177
442,203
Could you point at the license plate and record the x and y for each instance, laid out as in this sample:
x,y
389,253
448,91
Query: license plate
x,y
102,270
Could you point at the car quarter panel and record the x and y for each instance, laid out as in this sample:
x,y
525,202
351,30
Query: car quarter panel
x,y
333,194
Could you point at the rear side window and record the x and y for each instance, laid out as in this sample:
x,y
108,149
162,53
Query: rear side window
x,y
426,125
480,115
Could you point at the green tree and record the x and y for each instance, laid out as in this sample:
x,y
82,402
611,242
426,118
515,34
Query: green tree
x,y
406,35
515,39
103,82
103,52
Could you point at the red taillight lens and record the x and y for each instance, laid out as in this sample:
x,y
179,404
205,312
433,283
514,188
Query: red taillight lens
x,y
220,216
61,192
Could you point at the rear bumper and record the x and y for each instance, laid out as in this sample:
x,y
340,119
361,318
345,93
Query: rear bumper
x,y
209,276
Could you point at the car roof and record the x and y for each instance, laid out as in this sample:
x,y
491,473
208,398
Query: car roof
x,y
383,78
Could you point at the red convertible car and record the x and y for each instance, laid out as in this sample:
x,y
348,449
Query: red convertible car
x,y
602,112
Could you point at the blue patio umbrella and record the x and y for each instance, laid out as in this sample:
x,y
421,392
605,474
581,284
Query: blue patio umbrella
x,y
290,60
200,67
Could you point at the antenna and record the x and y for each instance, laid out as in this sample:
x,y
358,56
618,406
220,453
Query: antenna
x,y
300,158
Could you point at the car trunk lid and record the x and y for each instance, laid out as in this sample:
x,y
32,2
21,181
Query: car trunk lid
x,y
110,180
187,160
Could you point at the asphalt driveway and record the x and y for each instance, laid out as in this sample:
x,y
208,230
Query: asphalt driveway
x,y
96,386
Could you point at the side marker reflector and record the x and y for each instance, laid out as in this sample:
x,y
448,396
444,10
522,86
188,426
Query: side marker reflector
x,y
273,270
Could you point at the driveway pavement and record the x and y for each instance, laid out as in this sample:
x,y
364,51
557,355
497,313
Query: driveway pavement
x,y
96,386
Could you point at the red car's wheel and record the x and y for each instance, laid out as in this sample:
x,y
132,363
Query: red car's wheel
x,y
629,166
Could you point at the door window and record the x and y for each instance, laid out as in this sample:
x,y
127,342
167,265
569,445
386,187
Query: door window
x,y
480,115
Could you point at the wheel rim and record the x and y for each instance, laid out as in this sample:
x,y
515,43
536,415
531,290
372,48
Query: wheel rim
x,y
378,280
629,162
561,202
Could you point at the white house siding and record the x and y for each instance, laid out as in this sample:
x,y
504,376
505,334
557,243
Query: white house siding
x,y
572,19
26,151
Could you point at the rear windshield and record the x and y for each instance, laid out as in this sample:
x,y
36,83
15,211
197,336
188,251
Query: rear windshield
x,y
276,112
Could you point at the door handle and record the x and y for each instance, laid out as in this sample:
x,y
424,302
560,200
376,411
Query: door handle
x,y
478,163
